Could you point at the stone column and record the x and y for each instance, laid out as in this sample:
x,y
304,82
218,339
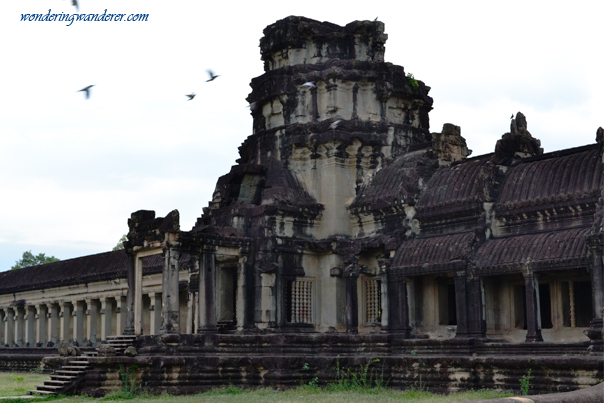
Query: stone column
x,y
385,304
65,318
170,298
41,327
2,332
53,324
30,326
477,326
106,316
596,246
128,312
9,327
533,312
196,315
398,307
207,284
138,296
123,313
155,312
461,304
190,312
352,301
78,322
19,326
91,321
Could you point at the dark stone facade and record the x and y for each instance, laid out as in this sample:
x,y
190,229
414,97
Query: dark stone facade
x,y
348,229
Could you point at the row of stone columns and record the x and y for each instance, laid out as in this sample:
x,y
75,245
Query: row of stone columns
x,y
45,324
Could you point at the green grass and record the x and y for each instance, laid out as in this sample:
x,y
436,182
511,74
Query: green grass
x,y
18,383
11,384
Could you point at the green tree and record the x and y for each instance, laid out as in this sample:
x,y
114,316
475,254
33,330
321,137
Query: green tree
x,y
120,244
29,259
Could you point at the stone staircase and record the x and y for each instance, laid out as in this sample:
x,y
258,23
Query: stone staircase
x,y
120,343
65,378
71,374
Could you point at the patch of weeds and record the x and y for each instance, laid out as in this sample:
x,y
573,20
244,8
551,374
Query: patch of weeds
x,y
412,81
129,388
38,370
18,378
365,379
525,383
414,353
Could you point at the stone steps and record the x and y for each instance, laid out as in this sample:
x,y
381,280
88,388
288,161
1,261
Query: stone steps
x,y
64,379
120,343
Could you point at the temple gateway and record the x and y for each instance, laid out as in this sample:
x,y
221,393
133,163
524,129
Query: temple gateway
x,y
347,229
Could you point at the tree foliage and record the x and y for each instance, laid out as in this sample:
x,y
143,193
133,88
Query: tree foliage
x,y
120,244
29,259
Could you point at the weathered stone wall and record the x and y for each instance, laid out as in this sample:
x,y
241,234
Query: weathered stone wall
x,y
186,374
24,359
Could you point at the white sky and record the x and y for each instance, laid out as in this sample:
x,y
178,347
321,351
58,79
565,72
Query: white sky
x,y
72,171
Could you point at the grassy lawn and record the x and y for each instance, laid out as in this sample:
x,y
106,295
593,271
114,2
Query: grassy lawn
x,y
18,383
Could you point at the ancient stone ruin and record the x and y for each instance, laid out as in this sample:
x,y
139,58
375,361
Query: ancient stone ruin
x,y
346,232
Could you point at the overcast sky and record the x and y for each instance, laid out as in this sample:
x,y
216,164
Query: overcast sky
x,y
73,170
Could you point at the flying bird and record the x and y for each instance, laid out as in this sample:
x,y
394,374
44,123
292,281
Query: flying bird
x,y
191,96
212,76
75,3
308,84
512,116
86,91
335,124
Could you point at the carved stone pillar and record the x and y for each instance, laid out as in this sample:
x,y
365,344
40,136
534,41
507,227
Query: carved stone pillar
x,y
207,285
9,327
19,326
78,322
41,326
533,314
170,298
106,317
91,321
122,314
53,324
65,318
30,326
127,314
596,244
138,296
190,312
477,326
351,275
2,330
398,307
155,312
461,304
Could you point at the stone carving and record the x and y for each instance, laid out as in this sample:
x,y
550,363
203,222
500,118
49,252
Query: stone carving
x,y
68,350
130,351
105,350
448,145
517,144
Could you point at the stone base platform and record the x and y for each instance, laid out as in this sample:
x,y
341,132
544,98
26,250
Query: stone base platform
x,y
183,364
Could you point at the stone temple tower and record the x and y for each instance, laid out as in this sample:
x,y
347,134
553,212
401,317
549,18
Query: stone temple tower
x,y
328,114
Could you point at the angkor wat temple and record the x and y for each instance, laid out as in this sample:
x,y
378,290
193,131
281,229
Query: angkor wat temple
x,y
347,229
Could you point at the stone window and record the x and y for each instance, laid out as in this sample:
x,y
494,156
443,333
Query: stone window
x,y
577,308
373,301
299,301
